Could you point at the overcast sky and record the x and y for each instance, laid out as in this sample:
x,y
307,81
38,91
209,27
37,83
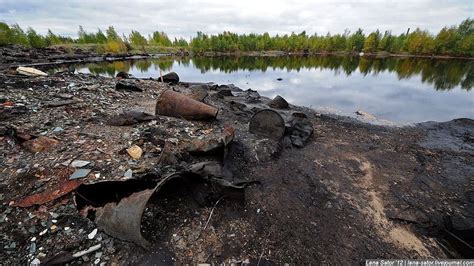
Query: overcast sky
x,y
185,18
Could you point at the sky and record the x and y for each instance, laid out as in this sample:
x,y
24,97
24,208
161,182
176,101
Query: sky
x,y
185,18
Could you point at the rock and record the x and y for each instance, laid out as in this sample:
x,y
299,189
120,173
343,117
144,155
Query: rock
x,y
79,163
170,77
80,173
299,129
129,118
29,71
35,262
128,173
122,75
135,152
278,102
58,130
40,144
198,94
127,85
365,114
225,92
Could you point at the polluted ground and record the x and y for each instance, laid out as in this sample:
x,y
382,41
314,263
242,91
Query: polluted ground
x,y
123,170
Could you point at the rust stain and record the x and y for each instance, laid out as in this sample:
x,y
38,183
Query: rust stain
x,y
49,195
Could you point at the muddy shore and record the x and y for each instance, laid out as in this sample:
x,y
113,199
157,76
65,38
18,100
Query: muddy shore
x,y
350,191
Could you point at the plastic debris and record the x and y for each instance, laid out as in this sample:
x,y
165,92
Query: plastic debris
x,y
29,71
92,234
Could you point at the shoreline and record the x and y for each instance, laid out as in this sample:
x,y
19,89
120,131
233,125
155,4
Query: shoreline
x,y
376,55
58,56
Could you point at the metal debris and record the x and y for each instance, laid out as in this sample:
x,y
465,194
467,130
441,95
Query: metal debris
x,y
267,123
49,195
175,104
212,142
40,144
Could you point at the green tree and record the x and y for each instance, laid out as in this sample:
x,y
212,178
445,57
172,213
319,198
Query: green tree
x,y
445,41
371,42
160,39
356,41
136,39
112,35
5,34
35,40
52,39
18,36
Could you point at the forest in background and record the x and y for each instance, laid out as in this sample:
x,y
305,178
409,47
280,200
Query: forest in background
x,y
455,40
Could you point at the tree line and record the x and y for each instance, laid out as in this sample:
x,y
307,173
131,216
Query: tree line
x,y
455,40
108,41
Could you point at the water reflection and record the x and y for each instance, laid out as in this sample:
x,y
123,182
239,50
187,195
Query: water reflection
x,y
440,74
404,90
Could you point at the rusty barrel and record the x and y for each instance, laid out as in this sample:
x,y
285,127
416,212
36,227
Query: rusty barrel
x,y
171,103
267,123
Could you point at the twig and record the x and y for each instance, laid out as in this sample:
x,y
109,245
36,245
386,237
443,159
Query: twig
x,y
108,153
212,211
260,258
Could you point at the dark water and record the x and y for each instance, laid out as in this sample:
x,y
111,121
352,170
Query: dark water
x,y
401,90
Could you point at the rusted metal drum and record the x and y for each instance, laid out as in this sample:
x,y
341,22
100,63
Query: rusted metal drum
x,y
267,123
175,104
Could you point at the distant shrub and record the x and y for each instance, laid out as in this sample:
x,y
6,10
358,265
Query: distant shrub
x,y
115,47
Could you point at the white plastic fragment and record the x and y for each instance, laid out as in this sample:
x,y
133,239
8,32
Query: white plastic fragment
x,y
29,71
87,251
92,234
35,262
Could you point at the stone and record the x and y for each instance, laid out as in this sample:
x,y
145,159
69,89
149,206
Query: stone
x,y
127,86
278,102
135,152
79,163
128,173
171,77
365,114
80,173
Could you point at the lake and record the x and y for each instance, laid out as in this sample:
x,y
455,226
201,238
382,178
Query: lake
x,y
400,90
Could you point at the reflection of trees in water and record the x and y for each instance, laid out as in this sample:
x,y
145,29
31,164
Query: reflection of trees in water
x,y
442,74
111,68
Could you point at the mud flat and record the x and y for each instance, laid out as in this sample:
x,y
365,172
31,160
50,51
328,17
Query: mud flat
x,y
78,152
